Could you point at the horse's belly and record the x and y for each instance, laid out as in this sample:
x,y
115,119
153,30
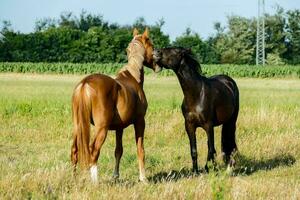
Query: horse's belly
x,y
129,107
123,117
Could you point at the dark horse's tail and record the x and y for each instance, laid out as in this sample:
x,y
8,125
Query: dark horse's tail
x,y
228,130
81,108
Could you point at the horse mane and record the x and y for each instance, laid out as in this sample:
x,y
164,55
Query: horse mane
x,y
135,52
192,62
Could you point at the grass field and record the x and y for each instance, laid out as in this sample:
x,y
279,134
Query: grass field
x,y
36,130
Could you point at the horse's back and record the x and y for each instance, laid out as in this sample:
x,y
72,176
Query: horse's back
x,y
224,83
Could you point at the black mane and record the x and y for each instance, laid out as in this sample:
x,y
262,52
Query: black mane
x,y
192,62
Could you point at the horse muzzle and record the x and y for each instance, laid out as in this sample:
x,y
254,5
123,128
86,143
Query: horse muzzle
x,y
157,68
156,59
156,55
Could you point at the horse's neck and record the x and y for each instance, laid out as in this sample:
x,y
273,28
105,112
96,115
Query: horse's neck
x,y
190,80
135,68
135,64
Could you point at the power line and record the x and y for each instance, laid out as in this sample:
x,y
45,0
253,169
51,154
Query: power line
x,y
260,37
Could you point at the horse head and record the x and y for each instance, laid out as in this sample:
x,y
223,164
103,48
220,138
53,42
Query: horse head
x,y
170,58
146,43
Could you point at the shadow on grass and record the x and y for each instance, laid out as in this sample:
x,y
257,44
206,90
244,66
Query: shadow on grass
x,y
120,182
173,175
247,166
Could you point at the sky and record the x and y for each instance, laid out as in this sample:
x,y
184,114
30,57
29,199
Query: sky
x,y
199,15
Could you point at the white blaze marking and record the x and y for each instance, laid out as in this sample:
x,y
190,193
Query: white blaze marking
x,y
94,173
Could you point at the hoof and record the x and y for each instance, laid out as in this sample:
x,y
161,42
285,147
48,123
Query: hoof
x,y
116,176
232,163
230,167
229,170
143,180
206,168
196,171
210,166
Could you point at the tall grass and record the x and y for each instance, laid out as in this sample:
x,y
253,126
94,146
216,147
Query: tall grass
x,y
36,136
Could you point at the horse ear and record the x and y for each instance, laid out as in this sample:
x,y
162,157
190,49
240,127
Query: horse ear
x,y
146,33
188,50
135,32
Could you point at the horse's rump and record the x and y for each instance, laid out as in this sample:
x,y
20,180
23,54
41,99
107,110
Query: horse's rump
x,y
226,97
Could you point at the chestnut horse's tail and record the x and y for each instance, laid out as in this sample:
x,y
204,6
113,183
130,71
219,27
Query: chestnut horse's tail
x,y
81,107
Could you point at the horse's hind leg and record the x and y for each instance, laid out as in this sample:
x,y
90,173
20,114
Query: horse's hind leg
x,y
102,114
118,152
101,134
228,141
139,128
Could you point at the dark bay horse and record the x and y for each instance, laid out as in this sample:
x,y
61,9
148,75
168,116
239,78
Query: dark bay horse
x,y
207,102
112,104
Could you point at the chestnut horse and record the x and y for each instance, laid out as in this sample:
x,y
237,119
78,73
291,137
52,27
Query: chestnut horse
x,y
207,102
112,104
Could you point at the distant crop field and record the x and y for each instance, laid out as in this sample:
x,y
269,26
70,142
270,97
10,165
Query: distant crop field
x,y
36,136
248,71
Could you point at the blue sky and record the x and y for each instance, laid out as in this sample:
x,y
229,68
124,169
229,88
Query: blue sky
x,y
199,15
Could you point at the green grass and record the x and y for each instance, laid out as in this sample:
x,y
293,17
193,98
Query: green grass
x,y
36,136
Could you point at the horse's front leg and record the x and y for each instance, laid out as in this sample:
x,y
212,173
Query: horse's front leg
x,y
211,145
118,152
139,128
191,129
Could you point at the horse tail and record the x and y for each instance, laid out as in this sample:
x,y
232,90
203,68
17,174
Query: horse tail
x,y
228,139
237,100
81,107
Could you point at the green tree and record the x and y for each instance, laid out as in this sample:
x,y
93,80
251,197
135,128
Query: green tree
x,y
88,38
67,19
238,44
87,21
44,24
275,36
193,41
159,39
5,34
293,37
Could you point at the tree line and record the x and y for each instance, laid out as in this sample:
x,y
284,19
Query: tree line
x,y
89,38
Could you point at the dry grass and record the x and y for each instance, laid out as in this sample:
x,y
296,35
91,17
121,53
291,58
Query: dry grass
x,y
35,140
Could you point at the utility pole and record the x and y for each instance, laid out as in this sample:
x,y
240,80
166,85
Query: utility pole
x,y
260,37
